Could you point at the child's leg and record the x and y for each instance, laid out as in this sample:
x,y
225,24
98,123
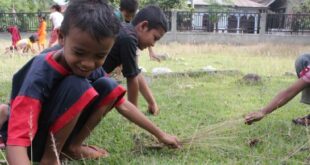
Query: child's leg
x,y
58,117
109,95
301,64
4,112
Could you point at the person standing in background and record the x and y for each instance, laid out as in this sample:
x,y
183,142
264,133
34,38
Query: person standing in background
x,y
41,32
56,17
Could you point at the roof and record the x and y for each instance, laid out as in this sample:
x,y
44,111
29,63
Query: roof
x,y
237,3
247,3
266,3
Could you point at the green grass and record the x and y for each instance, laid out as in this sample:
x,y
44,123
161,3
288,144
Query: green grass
x,y
192,105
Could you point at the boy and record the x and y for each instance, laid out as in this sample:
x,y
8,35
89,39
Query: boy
x,y
128,9
59,97
148,26
26,44
23,45
302,66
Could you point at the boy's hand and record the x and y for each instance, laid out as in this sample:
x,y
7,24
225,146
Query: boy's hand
x,y
170,141
153,109
155,57
253,117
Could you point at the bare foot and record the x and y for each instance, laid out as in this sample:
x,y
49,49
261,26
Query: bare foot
x,y
153,109
85,152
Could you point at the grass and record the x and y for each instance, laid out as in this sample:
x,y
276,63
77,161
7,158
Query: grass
x,y
205,111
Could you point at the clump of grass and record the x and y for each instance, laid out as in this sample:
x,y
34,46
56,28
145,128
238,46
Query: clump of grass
x,y
219,135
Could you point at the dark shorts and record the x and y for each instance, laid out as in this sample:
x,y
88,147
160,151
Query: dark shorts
x,y
73,96
301,63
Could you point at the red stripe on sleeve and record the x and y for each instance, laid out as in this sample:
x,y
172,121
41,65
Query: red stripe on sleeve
x,y
120,102
23,122
74,110
117,93
59,68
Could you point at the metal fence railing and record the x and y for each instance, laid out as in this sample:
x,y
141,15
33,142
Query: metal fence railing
x,y
227,22
26,22
230,22
169,18
288,23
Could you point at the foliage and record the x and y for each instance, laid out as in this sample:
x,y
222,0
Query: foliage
x,y
303,7
216,6
165,4
25,5
115,3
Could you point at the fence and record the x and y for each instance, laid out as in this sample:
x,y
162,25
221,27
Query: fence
x,y
288,23
216,22
24,21
168,16
230,22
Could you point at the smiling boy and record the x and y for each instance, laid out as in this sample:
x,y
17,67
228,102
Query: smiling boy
x,y
59,97
147,27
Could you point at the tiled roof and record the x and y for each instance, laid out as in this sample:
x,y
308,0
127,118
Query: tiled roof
x,y
266,3
247,3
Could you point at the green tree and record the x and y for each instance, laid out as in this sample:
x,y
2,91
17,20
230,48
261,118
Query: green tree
x,y
303,7
25,5
165,4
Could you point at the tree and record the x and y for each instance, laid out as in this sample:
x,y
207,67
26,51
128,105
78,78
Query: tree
x,y
25,5
303,7
164,4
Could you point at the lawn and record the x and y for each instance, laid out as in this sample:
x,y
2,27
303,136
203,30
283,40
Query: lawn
x,y
209,106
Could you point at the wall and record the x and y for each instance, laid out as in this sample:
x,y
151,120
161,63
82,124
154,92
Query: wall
x,y
229,38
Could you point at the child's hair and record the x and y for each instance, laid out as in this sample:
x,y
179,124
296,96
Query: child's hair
x,y
33,38
42,16
95,17
129,5
154,15
56,7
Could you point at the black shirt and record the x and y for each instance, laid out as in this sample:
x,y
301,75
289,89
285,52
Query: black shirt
x,y
124,52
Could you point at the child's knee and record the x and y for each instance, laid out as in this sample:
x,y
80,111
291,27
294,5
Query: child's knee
x,y
302,62
105,85
4,110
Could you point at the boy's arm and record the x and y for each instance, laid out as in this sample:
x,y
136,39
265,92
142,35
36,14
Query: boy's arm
x,y
133,89
129,111
278,101
17,155
152,54
147,94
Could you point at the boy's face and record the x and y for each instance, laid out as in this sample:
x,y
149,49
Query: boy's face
x,y
83,53
127,15
146,37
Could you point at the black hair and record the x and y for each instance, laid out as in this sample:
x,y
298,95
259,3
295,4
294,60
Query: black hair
x,y
33,38
154,15
56,7
42,16
129,5
95,17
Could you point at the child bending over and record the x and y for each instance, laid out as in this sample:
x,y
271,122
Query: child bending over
x,y
15,36
58,98
147,27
